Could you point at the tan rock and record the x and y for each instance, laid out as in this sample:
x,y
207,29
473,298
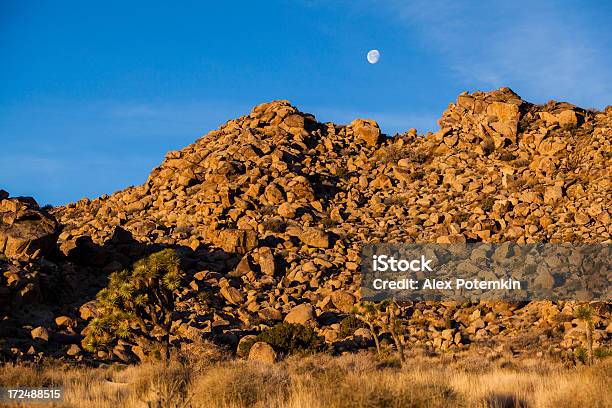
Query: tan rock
x,y
232,295
567,118
88,310
366,130
302,314
25,231
40,333
553,194
266,261
316,237
263,353
343,301
64,322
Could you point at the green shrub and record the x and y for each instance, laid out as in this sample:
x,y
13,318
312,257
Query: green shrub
x,y
487,204
581,355
244,347
328,222
287,338
275,225
349,325
586,313
602,352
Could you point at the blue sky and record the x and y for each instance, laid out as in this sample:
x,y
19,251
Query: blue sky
x,y
92,97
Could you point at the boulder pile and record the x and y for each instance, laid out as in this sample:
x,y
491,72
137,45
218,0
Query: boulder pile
x,y
270,212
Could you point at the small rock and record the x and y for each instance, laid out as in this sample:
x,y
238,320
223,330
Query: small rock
x,y
40,333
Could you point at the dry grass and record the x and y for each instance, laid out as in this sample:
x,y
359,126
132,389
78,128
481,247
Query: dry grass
x,y
324,381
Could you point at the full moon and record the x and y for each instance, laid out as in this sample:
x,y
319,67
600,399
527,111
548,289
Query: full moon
x,y
373,56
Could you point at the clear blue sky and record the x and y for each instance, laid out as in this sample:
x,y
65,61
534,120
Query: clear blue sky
x,y
91,97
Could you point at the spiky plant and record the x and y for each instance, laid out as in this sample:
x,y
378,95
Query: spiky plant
x,y
385,315
585,313
138,304
368,313
395,327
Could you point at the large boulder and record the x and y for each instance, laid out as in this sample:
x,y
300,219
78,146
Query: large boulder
x,y
262,352
302,314
26,231
366,130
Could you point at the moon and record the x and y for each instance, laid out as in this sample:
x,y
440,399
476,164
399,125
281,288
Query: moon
x,y
373,56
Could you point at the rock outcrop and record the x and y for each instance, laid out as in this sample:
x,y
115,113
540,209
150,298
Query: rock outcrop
x,y
26,231
270,212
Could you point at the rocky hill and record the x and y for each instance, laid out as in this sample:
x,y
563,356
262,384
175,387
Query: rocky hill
x,y
269,213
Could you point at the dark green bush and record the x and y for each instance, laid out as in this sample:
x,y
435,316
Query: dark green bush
x,y
275,225
328,222
287,338
487,204
581,355
244,347
602,352
349,325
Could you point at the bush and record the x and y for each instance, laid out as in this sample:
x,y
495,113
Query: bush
x,y
395,200
328,222
602,352
275,225
487,204
244,347
349,325
392,154
581,355
287,338
138,305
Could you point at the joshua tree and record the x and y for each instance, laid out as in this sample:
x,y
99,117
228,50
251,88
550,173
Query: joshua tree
x,y
585,313
138,304
384,314
394,326
368,314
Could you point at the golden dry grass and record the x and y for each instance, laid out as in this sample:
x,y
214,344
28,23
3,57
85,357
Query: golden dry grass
x,y
323,381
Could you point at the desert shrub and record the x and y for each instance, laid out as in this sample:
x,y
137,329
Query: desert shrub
x,y
586,313
343,173
268,210
275,225
328,222
581,355
199,354
12,375
487,204
287,338
242,385
506,156
244,347
417,175
602,352
348,326
167,386
394,200
138,305
461,217
393,154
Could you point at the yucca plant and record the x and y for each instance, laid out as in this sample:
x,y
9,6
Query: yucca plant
x,y
585,313
138,304
368,313
395,327
385,315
